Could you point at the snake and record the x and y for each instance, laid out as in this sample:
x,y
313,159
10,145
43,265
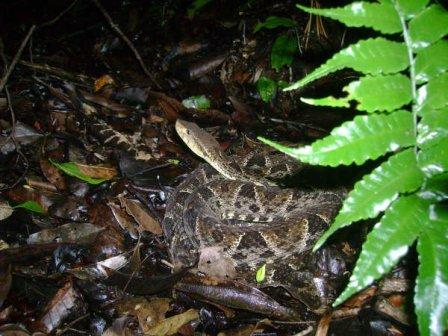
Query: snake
x,y
230,217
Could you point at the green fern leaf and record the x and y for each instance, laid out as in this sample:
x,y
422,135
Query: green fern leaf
x,y
410,8
356,141
423,34
378,16
433,95
380,93
434,160
387,243
376,191
431,298
431,61
372,56
435,189
432,127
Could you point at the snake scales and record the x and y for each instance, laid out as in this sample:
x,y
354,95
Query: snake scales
x,y
229,218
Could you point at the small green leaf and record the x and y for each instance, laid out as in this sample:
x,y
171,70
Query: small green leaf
x,y
387,243
197,102
434,160
283,51
432,127
31,206
377,190
433,95
428,27
431,288
379,16
267,88
275,22
356,141
435,188
71,169
327,101
431,61
261,274
372,56
195,6
380,93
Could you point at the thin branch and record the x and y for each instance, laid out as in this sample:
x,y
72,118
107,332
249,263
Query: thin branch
x,y
53,21
117,29
16,58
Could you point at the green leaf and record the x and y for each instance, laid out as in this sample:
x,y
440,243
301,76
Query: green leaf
x,y
435,189
428,27
327,101
356,141
283,51
275,22
411,8
433,95
197,102
195,6
434,160
372,56
261,274
431,290
381,17
377,190
267,88
431,61
31,206
70,168
432,127
387,243
380,93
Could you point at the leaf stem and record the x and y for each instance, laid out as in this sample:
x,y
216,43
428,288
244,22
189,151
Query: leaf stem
x,y
408,42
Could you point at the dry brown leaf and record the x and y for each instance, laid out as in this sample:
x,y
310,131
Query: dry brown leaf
x,y
102,81
148,313
324,325
124,220
171,325
5,210
145,221
53,174
67,233
97,172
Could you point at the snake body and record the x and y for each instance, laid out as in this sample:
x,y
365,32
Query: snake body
x,y
228,218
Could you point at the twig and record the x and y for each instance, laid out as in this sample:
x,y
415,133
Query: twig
x,y
117,29
16,58
49,23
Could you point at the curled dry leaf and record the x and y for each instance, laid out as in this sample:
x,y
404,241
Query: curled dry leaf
x,y
65,302
171,325
145,221
67,233
5,210
124,220
235,295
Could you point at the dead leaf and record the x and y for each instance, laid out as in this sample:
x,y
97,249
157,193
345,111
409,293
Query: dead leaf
x,y
64,302
97,172
119,327
124,220
5,210
102,81
171,325
67,233
53,174
13,330
148,313
145,221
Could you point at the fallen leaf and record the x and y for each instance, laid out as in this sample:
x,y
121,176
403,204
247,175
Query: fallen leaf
x,y
71,168
171,325
5,210
53,174
124,220
66,301
120,327
5,284
67,233
97,172
145,221
102,81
